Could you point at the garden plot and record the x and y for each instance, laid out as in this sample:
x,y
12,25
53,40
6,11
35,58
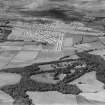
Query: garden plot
x,y
15,43
54,98
97,45
50,54
11,47
99,52
32,47
98,96
81,100
19,64
9,79
82,47
45,56
5,57
102,39
45,67
5,99
25,56
68,42
87,39
44,60
45,78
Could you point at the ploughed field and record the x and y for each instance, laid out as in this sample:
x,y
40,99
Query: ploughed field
x,y
50,76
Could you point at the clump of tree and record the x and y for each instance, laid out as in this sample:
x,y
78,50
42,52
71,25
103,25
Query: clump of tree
x,y
94,63
18,91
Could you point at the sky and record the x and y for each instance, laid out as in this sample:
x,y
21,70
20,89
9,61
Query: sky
x,y
35,4
18,6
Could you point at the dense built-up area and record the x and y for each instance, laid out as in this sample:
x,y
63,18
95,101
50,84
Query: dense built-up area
x,y
51,33
37,78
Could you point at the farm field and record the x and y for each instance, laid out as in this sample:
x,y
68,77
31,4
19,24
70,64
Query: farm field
x,y
52,52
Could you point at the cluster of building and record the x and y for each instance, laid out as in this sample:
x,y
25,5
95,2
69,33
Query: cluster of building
x,y
29,35
57,33
36,32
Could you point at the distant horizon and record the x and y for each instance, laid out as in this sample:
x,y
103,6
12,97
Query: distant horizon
x,y
18,8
